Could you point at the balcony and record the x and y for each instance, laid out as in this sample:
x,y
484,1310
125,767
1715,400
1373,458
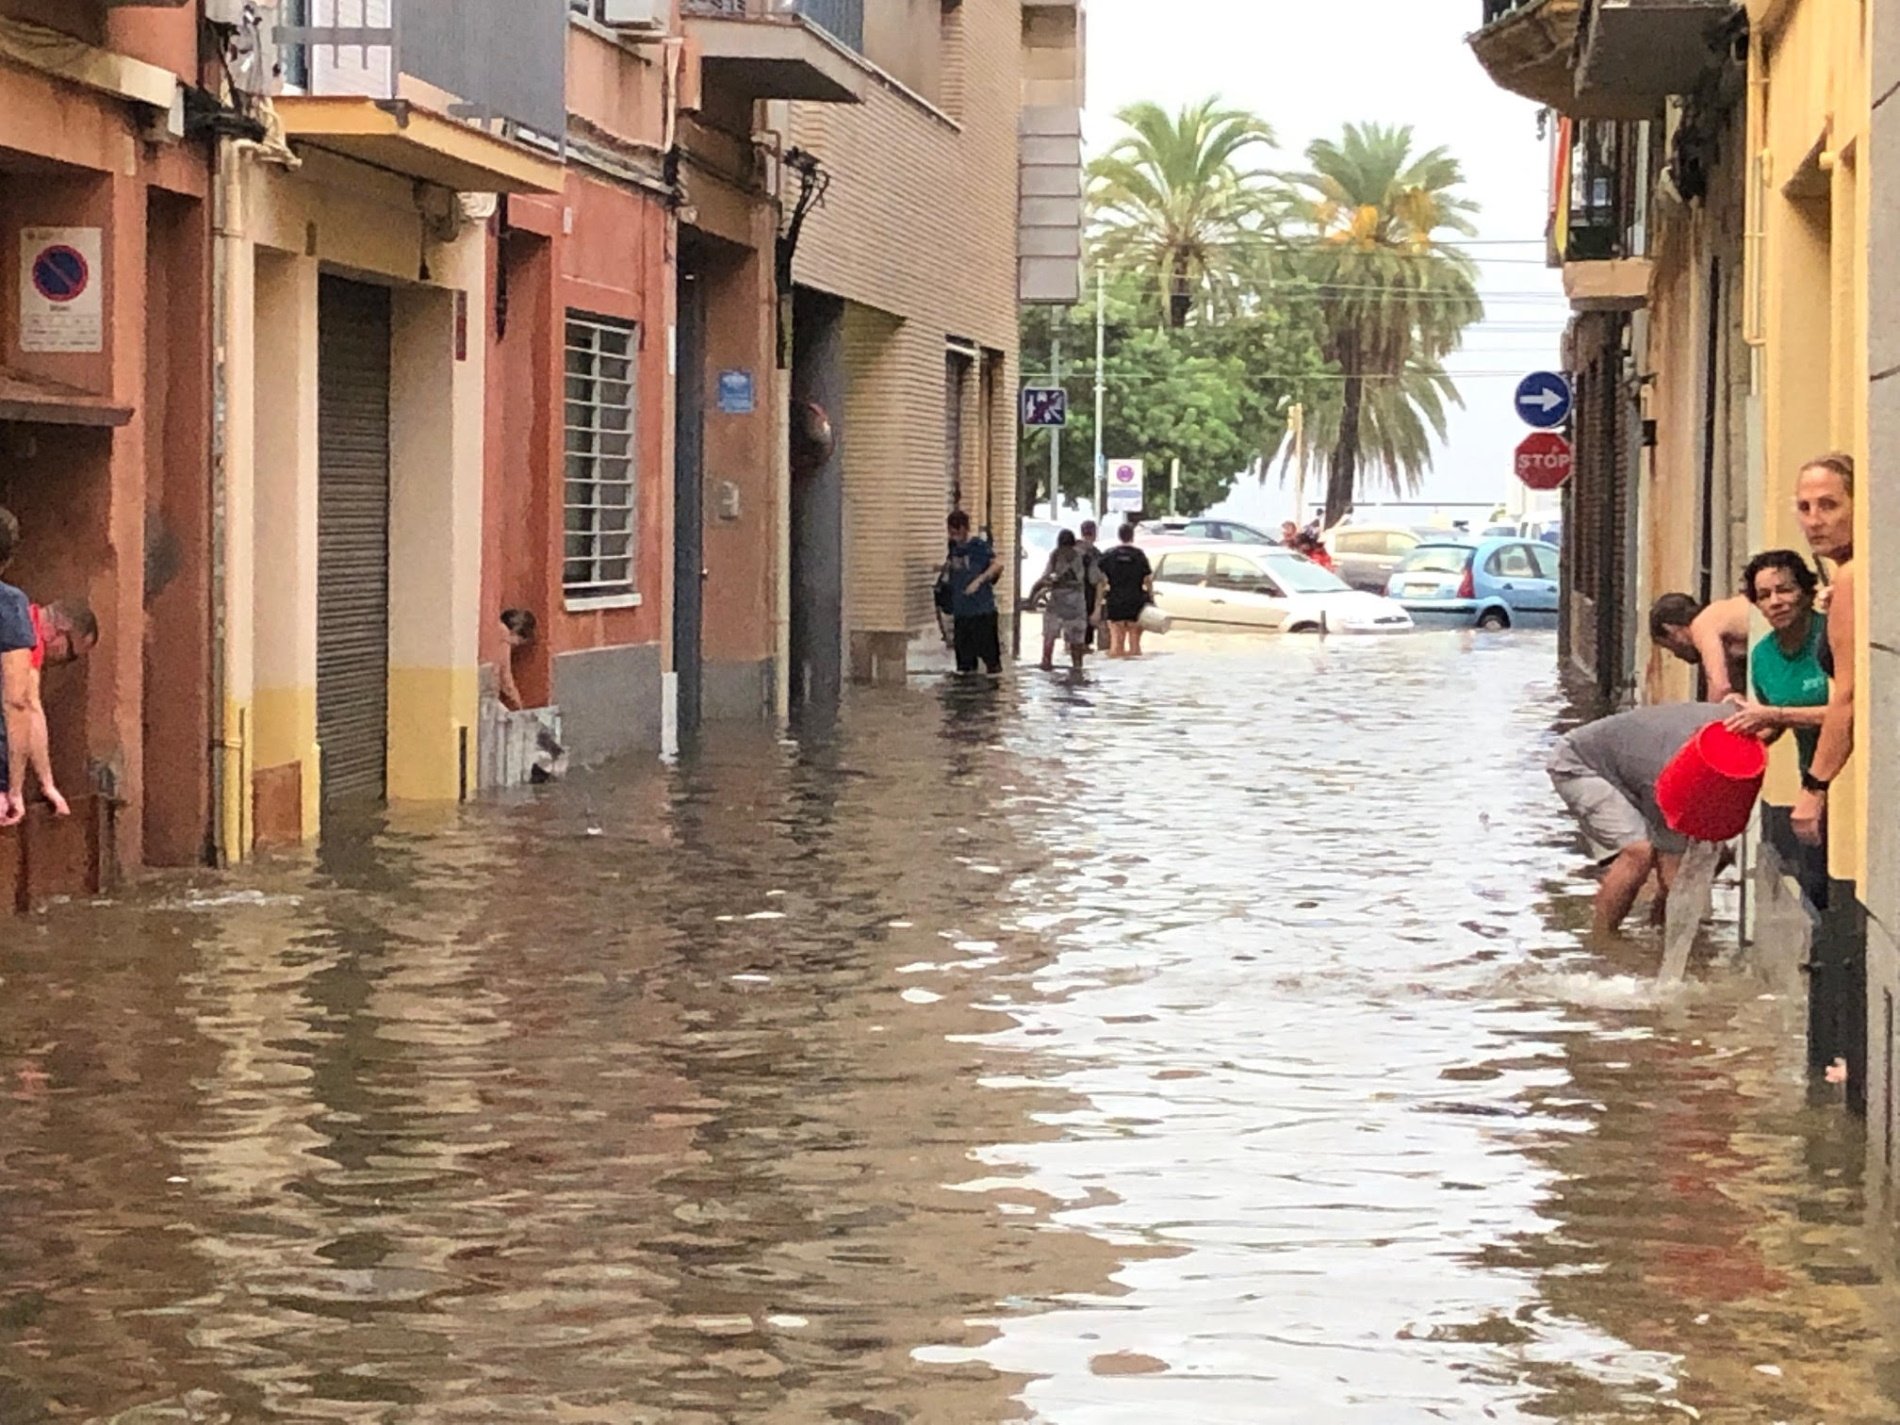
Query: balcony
x,y
1600,59
470,95
1646,50
766,49
1594,235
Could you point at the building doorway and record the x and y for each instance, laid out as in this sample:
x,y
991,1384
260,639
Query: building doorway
x,y
354,334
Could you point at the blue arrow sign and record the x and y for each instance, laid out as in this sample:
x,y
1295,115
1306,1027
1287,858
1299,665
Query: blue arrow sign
x,y
1543,399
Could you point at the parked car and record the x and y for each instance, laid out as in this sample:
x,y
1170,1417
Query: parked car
x,y
1548,531
1265,587
1484,583
1223,531
1037,544
1367,555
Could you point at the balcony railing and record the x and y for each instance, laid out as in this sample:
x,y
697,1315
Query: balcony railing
x,y
843,20
1495,10
1601,213
503,62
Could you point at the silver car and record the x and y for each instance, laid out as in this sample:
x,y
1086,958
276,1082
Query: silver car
x,y
1264,588
1366,556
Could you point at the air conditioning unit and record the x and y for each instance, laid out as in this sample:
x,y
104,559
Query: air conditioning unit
x,y
646,17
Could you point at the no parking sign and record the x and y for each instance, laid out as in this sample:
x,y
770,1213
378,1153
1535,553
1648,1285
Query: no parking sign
x,y
62,295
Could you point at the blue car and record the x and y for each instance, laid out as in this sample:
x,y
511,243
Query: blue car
x,y
1503,582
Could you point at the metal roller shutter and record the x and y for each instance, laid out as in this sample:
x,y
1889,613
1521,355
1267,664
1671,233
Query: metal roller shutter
x,y
353,538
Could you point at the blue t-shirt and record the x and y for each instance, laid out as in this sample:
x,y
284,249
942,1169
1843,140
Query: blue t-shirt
x,y
16,633
967,560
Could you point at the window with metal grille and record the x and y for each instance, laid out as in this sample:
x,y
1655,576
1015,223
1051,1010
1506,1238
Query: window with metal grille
x,y
601,470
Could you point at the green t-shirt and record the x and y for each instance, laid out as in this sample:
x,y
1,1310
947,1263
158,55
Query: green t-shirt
x,y
1794,681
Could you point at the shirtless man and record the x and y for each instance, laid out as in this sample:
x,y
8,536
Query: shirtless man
x,y
1714,638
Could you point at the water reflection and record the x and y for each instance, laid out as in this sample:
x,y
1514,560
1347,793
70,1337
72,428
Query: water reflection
x,y
1207,1041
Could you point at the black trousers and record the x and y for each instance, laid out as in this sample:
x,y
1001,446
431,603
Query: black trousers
x,y
978,641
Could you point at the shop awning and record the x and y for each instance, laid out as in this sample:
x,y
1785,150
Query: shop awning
x,y
52,403
405,138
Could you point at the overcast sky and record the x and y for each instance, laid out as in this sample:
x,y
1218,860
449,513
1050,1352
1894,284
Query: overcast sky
x,y
1310,66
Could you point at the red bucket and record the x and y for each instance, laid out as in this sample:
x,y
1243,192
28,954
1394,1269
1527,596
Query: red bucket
x,y
1709,791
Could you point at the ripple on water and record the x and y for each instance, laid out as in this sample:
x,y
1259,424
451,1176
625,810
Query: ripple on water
x,y
1210,1042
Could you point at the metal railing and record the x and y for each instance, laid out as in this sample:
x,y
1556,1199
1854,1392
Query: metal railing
x,y
1495,10
504,61
843,20
1600,208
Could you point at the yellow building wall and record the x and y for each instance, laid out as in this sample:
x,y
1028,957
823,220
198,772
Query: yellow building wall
x,y
1810,108
283,228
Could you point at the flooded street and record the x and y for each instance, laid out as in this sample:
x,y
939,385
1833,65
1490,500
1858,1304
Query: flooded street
x,y
1210,1042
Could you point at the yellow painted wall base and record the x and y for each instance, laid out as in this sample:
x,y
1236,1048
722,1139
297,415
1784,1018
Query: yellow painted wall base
x,y
285,723
429,708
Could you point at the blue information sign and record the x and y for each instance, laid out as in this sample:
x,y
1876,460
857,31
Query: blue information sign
x,y
1543,399
736,396
1045,407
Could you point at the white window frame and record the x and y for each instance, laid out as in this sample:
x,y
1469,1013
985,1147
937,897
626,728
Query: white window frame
x,y
599,412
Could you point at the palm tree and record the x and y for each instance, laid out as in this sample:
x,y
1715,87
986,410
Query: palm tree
x,y
1394,293
1173,205
1398,422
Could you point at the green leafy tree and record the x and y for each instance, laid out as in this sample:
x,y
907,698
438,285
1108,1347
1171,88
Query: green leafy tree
x,y
1173,205
1213,396
1393,292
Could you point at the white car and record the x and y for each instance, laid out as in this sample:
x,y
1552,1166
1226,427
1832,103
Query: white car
x,y
1266,587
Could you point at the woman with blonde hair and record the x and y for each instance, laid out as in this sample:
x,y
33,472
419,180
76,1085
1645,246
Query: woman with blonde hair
x,y
1824,503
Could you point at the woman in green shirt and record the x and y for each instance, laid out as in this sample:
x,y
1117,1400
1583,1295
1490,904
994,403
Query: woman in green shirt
x,y
1791,685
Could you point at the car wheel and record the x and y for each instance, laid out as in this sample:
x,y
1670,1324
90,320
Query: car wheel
x,y
1494,620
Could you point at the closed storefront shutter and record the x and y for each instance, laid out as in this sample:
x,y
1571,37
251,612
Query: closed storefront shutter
x,y
353,539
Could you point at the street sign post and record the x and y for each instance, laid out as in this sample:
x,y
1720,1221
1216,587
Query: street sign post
x,y
1125,493
1544,400
1045,407
1543,461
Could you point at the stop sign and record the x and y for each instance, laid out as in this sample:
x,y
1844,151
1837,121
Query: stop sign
x,y
1543,460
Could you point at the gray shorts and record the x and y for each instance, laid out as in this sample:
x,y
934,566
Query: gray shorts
x,y
1064,625
1613,818
1611,822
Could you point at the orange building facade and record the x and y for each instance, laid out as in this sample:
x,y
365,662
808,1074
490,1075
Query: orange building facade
x,y
105,414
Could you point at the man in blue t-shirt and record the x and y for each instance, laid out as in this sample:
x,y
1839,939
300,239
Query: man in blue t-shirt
x,y
18,639
973,569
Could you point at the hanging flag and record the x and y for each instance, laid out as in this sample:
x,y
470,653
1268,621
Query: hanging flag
x,y
1560,190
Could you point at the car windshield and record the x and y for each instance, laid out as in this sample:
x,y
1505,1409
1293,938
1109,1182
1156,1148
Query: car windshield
x,y
1437,559
1040,534
1299,575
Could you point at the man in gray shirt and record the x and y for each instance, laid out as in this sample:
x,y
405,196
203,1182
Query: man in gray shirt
x,y
1606,773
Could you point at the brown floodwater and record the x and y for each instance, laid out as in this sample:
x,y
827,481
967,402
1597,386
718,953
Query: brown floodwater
x,y
1211,1041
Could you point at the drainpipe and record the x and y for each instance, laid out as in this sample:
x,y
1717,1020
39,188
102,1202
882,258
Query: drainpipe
x,y
229,840
782,541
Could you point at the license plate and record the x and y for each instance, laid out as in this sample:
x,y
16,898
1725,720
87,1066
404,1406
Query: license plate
x,y
1422,590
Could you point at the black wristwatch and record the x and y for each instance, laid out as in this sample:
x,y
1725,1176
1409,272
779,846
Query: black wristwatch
x,y
1812,783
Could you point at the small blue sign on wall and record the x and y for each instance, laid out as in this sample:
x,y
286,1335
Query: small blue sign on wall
x,y
736,395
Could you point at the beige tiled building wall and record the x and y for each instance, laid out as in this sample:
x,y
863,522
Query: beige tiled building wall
x,y
918,232
1878,557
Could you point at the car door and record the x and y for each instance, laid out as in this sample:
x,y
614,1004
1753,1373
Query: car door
x,y
1545,586
1395,544
1512,574
1355,557
1241,595
1181,590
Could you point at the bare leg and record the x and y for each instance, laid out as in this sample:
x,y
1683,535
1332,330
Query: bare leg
x,y
1134,640
1622,883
